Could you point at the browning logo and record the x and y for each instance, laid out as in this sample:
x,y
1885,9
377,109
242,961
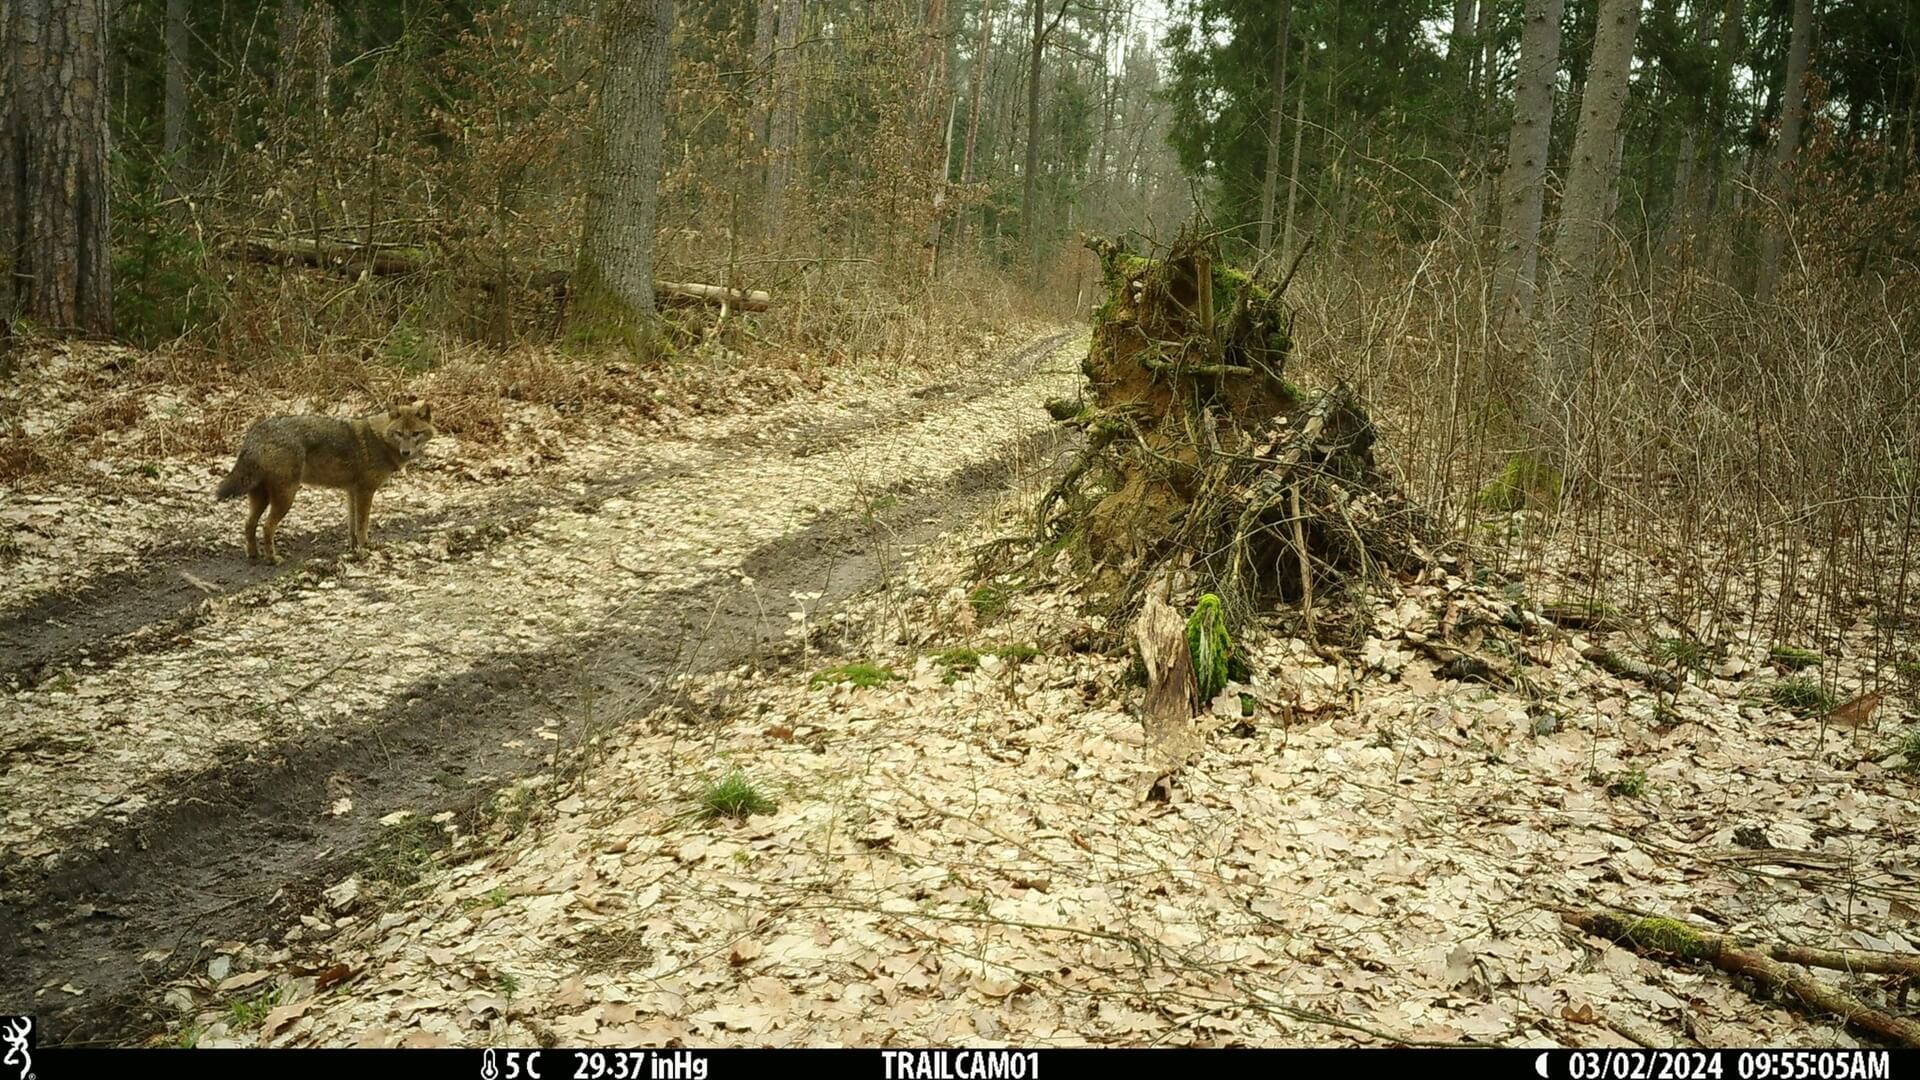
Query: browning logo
x,y
16,1035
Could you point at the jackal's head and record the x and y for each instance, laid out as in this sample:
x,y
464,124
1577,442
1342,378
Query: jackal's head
x,y
408,428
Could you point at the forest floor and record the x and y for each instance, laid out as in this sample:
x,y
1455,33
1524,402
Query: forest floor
x,y
451,794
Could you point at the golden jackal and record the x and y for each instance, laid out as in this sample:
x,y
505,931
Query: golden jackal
x,y
283,452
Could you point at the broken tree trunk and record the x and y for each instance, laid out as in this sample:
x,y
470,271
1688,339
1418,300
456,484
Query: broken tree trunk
x,y
1202,459
398,261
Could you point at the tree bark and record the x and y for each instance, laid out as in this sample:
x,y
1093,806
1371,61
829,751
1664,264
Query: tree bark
x,y
1585,206
1460,43
1727,49
287,30
1029,190
783,121
1043,29
1523,187
1293,170
766,15
940,100
55,260
1485,81
1793,114
174,107
976,102
1272,180
976,90
614,278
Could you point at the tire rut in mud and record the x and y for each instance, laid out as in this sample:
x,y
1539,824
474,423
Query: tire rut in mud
x,y
165,594
241,849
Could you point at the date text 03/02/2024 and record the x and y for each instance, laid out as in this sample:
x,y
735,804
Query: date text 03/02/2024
x,y
961,1064
1721,1065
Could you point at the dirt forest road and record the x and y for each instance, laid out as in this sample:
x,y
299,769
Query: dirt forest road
x,y
191,745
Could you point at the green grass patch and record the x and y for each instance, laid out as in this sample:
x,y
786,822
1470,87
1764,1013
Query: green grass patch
x,y
246,1013
734,796
961,661
1681,652
1525,483
957,662
402,856
1794,658
989,600
1909,748
1630,784
1801,696
862,674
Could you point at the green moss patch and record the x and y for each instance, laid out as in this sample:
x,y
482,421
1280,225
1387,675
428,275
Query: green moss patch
x,y
863,675
1210,645
1525,483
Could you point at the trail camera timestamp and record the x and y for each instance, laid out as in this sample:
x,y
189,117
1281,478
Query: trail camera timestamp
x,y
1725,1065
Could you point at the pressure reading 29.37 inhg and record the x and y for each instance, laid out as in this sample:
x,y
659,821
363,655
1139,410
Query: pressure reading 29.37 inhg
x,y
594,1065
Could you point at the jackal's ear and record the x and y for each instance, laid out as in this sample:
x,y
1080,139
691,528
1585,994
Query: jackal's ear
x,y
422,410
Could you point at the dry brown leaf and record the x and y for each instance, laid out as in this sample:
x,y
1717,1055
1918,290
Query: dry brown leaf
x,y
1857,712
424,1040
572,994
278,1019
243,980
335,975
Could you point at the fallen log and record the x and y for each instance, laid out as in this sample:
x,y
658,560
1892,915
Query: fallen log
x,y
395,261
666,292
379,261
1671,938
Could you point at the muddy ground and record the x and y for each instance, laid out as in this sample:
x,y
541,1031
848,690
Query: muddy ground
x,y
193,744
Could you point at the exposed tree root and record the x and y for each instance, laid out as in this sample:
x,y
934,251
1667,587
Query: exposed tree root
x,y
1204,465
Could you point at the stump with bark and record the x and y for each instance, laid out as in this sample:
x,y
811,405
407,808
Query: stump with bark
x,y
1203,461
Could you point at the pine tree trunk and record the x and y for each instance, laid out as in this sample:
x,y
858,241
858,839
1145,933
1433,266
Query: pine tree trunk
x,y
1523,187
1293,170
1029,190
174,106
1272,180
613,284
1460,43
1731,39
55,262
287,30
1486,81
976,100
939,113
783,122
765,18
1585,205
1683,203
1793,115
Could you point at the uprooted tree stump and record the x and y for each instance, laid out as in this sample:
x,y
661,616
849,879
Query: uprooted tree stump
x,y
1202,463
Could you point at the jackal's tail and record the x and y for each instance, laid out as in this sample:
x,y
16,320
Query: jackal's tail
x,y
241,480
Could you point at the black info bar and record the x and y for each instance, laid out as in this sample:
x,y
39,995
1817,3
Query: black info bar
x,y
500,1063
